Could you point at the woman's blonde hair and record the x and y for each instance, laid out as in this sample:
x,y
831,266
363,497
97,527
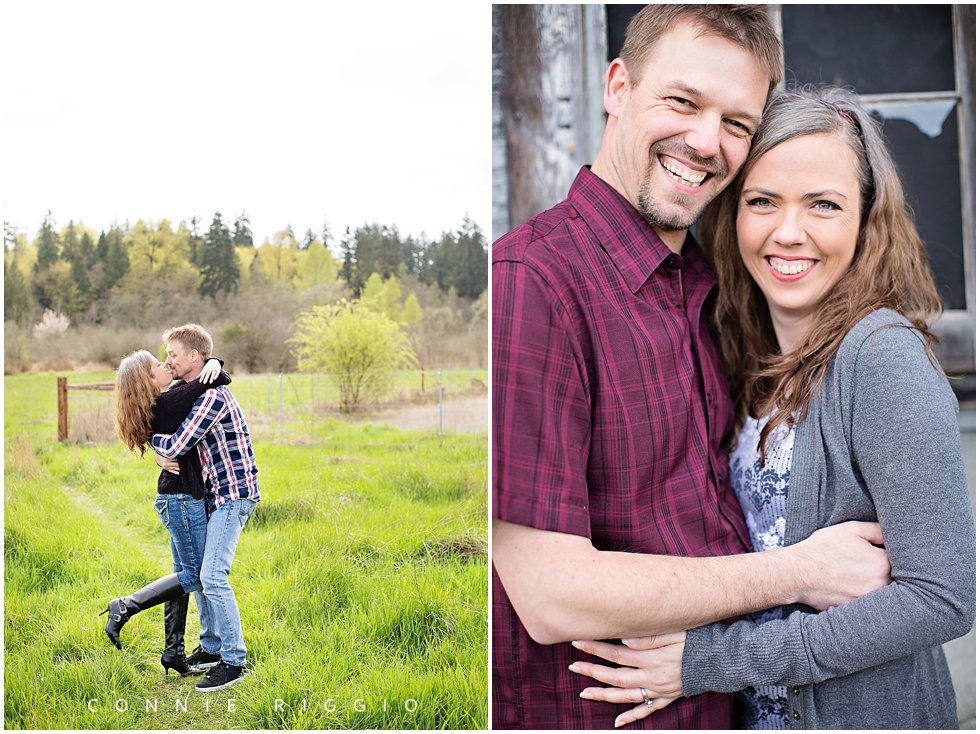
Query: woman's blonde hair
x,y
890,267
135,396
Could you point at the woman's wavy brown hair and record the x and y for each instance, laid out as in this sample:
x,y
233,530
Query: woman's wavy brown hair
x,y
890,267
135,396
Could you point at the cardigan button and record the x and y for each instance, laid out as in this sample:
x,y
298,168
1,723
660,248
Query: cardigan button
x,y
796,690
796,714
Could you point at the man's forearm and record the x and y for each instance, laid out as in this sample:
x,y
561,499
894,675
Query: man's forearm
x,y
564,589
202,418
575,592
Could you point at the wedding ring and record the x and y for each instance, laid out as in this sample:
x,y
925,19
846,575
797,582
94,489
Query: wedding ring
x,y
646,697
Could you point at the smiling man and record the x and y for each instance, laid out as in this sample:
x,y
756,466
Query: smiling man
x,y
614,516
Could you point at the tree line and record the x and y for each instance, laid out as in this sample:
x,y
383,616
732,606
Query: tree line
x,y
75,296
91,278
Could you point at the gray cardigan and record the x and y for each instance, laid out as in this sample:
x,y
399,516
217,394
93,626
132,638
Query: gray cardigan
x,y
881,443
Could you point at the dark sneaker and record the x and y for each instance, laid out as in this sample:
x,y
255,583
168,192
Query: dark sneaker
x,y
221,676
200,660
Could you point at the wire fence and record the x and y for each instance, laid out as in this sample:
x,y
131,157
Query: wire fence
x,y
298,407
290,407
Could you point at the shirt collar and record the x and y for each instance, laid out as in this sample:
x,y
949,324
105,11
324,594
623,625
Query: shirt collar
x,y
631,243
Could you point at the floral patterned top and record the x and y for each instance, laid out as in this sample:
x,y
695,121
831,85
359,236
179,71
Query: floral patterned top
x,y
762,493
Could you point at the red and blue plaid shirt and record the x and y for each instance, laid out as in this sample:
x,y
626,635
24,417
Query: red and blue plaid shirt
x,y
217,427
610,408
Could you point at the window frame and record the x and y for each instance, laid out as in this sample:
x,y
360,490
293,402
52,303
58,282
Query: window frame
x,y
956,327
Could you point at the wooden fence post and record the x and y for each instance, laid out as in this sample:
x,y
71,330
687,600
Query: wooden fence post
x,y
62,408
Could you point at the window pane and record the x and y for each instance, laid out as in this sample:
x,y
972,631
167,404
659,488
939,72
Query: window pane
x,y
930,169
617,18
876,49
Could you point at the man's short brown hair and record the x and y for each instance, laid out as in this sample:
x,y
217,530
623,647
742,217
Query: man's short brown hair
x,y
191,336
747,26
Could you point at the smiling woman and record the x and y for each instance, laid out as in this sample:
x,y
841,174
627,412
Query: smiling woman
x,y
797,227
819,186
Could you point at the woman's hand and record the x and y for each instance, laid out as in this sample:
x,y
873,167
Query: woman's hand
x,y
166,464
651,675
212,368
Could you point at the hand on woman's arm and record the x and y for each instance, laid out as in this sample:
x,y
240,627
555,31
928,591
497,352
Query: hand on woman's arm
x,y
652,676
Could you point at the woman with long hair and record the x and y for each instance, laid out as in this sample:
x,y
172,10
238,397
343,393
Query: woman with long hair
x,y
147,403
842,413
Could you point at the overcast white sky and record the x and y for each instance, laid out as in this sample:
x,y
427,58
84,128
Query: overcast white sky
x,y
295,112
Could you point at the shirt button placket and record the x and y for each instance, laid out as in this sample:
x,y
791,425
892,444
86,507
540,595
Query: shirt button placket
x,y
673,262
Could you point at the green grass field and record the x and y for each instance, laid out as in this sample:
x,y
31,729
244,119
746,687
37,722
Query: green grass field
x,y
362,581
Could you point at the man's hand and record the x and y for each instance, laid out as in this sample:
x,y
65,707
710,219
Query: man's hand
x,y
212,368
842,562
167,464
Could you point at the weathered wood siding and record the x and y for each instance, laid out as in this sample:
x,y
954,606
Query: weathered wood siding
x,y
548,62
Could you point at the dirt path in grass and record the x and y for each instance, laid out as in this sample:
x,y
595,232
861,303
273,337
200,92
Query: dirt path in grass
x,y
461,415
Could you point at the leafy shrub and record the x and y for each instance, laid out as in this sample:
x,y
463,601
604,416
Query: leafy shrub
x,y
355,346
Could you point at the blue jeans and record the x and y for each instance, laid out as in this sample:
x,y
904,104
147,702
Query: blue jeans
x,y
186,520
223,529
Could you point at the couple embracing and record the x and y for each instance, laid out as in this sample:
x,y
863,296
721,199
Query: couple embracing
x,y
659,410
183,410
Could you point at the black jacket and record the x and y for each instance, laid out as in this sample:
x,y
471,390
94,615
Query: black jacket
x,y
169,411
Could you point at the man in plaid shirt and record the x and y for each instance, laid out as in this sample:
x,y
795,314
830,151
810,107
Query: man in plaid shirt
x,y
217,428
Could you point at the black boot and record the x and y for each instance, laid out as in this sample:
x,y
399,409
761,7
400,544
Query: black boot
x,y
163,589
174,620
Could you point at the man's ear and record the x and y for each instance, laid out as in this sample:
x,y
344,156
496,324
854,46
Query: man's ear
x,y
617,88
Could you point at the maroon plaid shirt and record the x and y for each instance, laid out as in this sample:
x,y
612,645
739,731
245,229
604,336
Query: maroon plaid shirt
x,y
610,405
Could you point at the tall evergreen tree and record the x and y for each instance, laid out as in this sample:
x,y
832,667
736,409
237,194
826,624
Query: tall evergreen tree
x,y
347,267
377,249
86,248
470,261
459,260
102,247
9,236
48,256
413,252
219,263
308,239
116,257
79,253
243,232
196,242
47,243
16,297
